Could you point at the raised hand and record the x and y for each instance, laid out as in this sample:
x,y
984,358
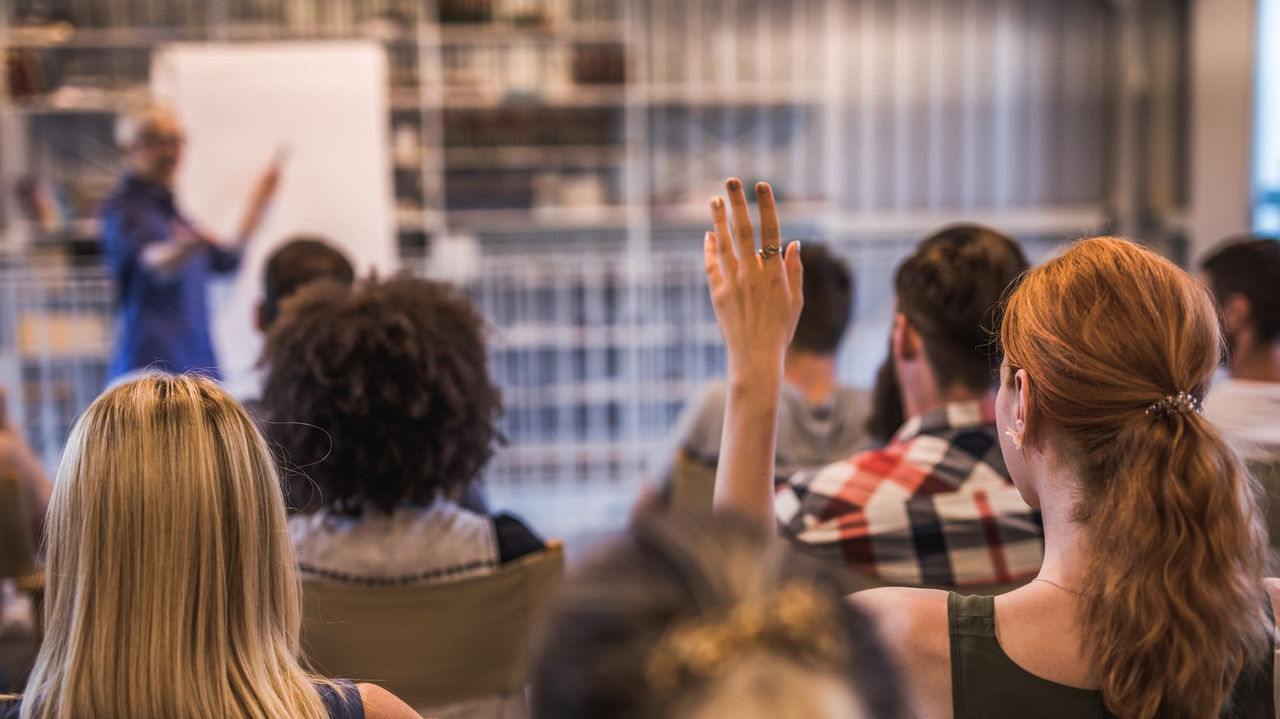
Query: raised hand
x,y
757,295
757,298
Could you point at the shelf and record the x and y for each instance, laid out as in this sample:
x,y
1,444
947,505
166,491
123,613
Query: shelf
x,y
728,94
491,33
64,35
84,100
534,156
416,219
699,212
515,219
460,98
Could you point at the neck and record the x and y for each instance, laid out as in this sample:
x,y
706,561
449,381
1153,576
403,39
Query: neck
x,y
814,375
1066,551
925,397
1257,363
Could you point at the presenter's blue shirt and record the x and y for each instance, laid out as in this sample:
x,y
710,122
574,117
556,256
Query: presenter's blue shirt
x,y
164,317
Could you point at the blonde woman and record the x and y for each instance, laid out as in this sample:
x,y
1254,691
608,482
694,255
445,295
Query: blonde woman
x,y
1151,601
171,588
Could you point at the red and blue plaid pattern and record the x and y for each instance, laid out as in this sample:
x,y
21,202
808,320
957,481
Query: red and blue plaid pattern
x,y
934,508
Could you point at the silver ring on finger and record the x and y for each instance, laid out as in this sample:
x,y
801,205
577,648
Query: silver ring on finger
x,y
768,253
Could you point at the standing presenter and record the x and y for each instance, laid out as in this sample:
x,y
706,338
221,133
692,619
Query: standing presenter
x,y
161,262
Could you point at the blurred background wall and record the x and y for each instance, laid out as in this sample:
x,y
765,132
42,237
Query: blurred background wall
x,y
555,157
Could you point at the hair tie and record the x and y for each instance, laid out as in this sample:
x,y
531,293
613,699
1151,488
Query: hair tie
x,y
1180,402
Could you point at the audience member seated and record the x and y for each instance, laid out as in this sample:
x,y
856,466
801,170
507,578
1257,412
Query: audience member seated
x,y
1151,601
294,265
24,497
1244,275
690,618
175,598
935,507
819,420
297,263
381,396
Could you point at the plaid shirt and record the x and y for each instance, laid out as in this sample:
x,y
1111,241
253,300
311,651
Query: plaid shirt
x,y
934,508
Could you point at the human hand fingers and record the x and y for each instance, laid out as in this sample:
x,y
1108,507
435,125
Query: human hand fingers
x,y
743,233
723,237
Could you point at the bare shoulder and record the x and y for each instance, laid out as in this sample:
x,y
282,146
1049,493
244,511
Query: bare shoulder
x,y
382,704
913,625
897,610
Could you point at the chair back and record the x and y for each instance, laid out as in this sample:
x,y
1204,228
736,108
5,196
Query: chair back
x,y
435,644
693,485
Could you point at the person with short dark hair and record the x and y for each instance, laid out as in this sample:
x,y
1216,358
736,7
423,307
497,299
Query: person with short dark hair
x,y
820,420
380,396
1244,276
299,262
935,507
699,617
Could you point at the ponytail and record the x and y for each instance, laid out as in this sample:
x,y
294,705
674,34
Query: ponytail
x,y
1119,346
1172,610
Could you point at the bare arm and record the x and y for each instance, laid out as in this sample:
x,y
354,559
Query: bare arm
x,y
912,623
169,256
382,704
757,300
258,203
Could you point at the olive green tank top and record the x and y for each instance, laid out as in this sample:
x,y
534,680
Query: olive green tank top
x,y
986,683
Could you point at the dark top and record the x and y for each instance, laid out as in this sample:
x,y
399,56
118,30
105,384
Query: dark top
x,y
986,683
515,539
344,702
164,319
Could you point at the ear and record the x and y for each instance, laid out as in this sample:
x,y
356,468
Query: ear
x,y
1236,313
1022,400
905,339
257,317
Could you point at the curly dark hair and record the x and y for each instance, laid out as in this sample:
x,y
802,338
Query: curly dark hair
x,y
381,393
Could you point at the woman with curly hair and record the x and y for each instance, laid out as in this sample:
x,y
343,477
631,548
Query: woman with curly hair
x,y
381,396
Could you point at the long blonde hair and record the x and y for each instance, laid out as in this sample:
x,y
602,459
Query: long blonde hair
x,y
1174,606
171,585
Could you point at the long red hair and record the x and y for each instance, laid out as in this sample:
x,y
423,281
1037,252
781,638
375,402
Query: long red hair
x,y
1173,607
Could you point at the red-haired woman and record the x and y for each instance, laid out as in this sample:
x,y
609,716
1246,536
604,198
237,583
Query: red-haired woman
x,y
1151,601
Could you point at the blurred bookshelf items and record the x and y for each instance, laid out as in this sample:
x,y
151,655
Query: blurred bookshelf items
x,y
556,156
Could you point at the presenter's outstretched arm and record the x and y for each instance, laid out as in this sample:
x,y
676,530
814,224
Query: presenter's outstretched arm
x,y
169,256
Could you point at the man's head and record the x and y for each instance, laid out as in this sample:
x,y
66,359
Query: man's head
x,y
828,301
299,262
949,292
1244,276
151,142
